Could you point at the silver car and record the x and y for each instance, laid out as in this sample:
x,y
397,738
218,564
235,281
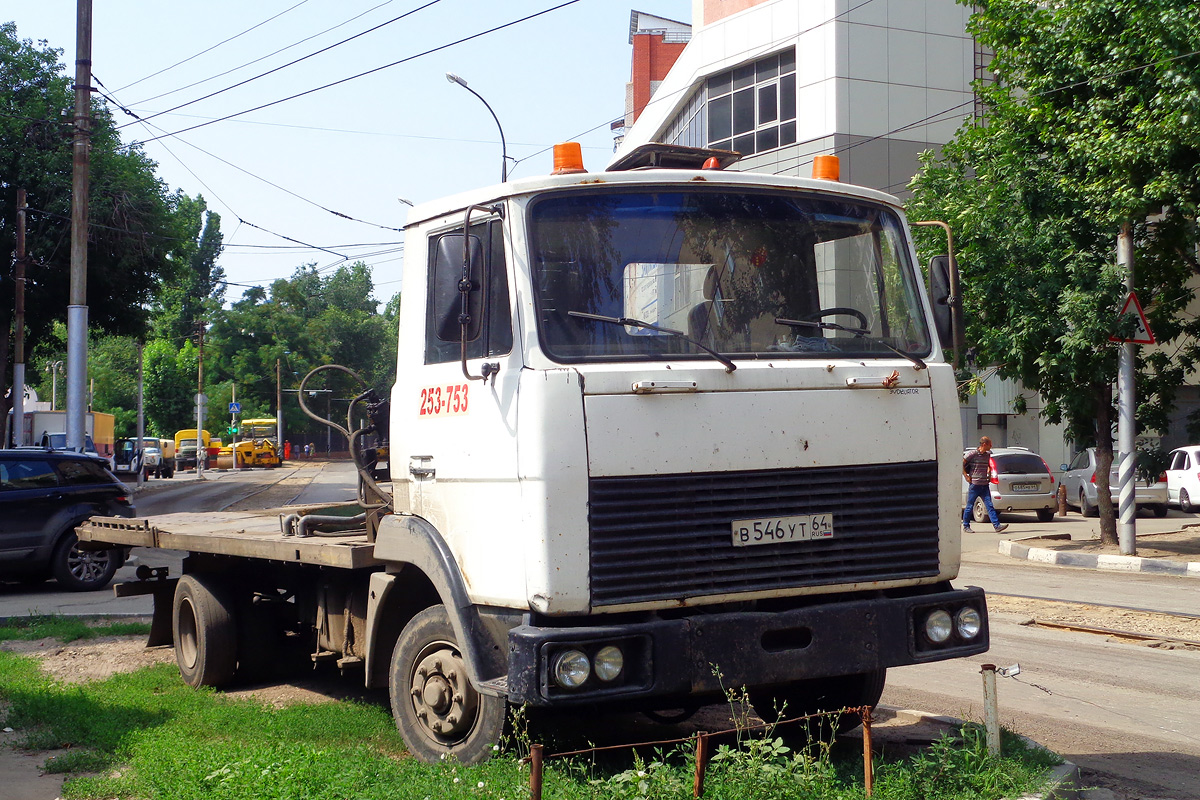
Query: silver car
x,y
1080,479
1020,481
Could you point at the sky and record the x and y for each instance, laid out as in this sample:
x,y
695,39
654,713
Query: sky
x,y
362,147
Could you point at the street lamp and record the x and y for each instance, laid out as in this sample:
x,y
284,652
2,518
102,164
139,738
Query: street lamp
x,y
450,76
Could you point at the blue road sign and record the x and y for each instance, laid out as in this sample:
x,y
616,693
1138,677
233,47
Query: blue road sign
x,y
235,408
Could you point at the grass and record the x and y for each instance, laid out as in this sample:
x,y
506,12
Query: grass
x,y
67,629
146,735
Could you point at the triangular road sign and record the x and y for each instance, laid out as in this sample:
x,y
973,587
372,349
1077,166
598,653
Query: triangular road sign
x,y
1141,332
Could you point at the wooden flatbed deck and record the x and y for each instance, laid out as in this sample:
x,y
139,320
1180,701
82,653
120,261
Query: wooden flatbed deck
x,y
248,534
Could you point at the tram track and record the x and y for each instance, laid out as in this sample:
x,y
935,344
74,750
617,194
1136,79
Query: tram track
x,y
1127,623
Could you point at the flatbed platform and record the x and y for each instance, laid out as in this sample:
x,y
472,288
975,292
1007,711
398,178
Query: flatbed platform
x,y
248,534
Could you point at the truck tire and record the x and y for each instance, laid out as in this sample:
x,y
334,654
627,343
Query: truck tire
x,y
437,710
204,630
83,570
806,697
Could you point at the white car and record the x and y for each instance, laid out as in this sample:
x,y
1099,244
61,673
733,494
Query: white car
x,y
1183,478
1080,479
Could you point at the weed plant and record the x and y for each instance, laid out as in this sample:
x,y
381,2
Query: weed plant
x,y
147,735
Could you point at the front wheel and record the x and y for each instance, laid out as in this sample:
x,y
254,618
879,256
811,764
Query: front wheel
x,y
204,631
815,695
437,710
83,570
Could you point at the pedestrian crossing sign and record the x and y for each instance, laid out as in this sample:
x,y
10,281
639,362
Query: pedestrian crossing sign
x,y
1141,330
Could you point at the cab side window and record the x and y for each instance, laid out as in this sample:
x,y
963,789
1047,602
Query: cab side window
x,y
491,334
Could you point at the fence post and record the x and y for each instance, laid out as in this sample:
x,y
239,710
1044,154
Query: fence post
x,y
868,754
535,772
701,763
991,709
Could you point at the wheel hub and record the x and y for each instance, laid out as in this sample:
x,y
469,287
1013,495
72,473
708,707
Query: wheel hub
x,y
442,697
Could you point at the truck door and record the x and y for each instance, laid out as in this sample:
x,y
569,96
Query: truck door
x,y
454,438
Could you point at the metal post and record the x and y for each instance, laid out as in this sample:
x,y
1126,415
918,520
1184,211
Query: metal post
x,y
77,310
991,709
450,76
1126,402
18,390
141,423
278,413
868,752
535,772
702,746
201,450
233,423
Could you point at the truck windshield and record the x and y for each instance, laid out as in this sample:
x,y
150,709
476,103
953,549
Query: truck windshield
x,y
722,266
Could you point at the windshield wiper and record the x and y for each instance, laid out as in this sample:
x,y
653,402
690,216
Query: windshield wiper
x,y
637,323
860,332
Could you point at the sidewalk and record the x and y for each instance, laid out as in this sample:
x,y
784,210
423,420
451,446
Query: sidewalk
x,y
1168,545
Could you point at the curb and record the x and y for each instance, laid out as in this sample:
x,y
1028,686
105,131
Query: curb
x,y
1062,782
1062,558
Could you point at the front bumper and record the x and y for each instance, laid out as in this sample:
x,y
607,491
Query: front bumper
x,y
703,654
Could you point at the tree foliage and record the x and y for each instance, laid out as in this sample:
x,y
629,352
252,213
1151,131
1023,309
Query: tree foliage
x,y
1089,125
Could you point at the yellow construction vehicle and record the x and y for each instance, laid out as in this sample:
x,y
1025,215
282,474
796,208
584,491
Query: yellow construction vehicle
x,y
257,446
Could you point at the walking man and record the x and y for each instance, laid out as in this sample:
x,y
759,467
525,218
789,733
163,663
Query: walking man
x,y
977,468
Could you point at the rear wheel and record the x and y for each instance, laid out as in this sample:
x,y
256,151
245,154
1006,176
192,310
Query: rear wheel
x,y
1159,511
204,631
1086,508
1185,502
1045,514
437,710
979,511
831,694
83,570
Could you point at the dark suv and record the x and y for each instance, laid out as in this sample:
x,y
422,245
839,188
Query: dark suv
x,y
44,495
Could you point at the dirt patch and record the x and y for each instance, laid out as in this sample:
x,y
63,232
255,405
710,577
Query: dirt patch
x,y
1163,628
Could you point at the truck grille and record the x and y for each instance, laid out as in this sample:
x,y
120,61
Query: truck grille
x,y
656,537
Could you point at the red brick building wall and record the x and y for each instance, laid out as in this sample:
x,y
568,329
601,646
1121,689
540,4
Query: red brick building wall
x,y
652,59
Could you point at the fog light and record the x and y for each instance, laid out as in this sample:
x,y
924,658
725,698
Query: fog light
x,y
571,669
968,622
938,626
608,663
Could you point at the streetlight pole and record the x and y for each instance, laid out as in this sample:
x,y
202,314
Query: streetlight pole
x,y
450,76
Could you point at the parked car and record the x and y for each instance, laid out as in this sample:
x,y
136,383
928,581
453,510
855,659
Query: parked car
x,y
44,495
1020,481
148,459
1183,478
1080,479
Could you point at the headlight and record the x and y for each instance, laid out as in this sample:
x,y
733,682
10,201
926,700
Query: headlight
x,y
571,669
968,622
608,663
938,626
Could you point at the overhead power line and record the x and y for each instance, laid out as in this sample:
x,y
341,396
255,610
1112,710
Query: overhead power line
x,y
290,63
214,47
370,71
268,55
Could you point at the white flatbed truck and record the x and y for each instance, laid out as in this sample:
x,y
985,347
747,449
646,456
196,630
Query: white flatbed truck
x,y
648,425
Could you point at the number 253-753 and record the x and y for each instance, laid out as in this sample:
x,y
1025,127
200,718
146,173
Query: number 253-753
x,y
443,401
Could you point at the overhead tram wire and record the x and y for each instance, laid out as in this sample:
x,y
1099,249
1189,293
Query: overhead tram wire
x,y
268,55
214,47
289,64
240,169
371,71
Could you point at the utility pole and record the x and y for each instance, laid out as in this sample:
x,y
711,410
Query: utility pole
x,y
77,310
278,412
18,391
141,423
201,451
1126,403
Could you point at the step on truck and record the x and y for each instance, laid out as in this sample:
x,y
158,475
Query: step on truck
x,y
656,432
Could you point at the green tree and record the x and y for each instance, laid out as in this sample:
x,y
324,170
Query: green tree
x,y
1090,125
169,379
132,216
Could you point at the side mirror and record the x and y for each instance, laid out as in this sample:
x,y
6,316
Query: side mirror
x,y
940,290
446,293
1063,467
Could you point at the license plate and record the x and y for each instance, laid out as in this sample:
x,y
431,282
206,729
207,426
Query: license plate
x,y
1026,487
770,530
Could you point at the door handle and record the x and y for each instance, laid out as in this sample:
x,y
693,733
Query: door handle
x,y
418,469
